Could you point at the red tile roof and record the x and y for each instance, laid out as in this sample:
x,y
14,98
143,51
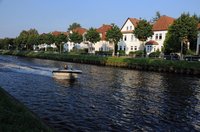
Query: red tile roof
x,y
151,42
163,23
103,29
80,30
134,21
56,33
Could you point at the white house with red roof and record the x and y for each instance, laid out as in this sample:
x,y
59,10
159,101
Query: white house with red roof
x,y
131,43
103,45
160,29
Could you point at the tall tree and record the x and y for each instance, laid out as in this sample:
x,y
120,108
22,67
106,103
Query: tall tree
x,y
92,36
27,39
183,30
143,31
113,36
73,26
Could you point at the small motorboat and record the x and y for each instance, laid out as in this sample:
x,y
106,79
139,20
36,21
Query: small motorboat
x,y
66,74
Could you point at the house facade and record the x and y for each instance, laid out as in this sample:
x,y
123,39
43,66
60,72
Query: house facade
x,y
130,43
160,29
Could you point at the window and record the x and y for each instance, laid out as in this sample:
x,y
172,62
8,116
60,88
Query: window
x,y
130,27
132,37
131,47
156,36
124,48
125,38
120,48
127,28
135,47
160,36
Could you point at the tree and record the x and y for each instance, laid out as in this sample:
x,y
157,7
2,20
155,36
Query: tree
x,y
27,39
158,15
73,26
32,40
183,31
114,35
60,39
92,36
75,37
7,43
142,31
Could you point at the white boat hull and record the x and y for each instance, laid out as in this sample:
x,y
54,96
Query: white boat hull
x,y
66,74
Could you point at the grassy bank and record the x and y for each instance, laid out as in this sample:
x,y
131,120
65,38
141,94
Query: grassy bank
x,y
15,117
159,65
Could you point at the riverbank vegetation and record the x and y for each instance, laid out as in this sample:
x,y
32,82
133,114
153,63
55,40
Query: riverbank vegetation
x,y
148,64
15,117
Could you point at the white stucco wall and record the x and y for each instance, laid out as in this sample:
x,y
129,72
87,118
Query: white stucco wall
x,y
158,40
70,45
103,46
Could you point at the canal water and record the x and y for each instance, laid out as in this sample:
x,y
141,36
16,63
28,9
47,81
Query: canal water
x,y
103,98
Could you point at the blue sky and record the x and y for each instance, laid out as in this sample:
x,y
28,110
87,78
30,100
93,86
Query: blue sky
x,y
51,15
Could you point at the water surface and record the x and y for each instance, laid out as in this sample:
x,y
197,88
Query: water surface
x,y
103,98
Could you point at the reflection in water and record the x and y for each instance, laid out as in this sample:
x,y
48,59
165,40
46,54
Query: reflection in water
x,y
104,98
65,82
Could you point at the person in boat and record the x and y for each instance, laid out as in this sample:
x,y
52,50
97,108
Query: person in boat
x,y
66,66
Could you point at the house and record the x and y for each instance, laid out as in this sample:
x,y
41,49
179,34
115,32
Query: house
x,y
129,43
198,40
69,46
103,45
160,29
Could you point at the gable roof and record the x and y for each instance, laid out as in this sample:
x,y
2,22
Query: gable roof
x,y
80,30
134,21
103,29
163,23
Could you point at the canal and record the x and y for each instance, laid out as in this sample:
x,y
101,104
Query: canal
x,y
103,98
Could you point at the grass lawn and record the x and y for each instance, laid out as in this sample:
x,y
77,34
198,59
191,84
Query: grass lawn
x,y
15,117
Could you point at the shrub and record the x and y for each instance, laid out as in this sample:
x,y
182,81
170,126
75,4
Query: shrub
x,y
155,54
138,53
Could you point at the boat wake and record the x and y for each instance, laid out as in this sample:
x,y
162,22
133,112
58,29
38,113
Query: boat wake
x,y
45,71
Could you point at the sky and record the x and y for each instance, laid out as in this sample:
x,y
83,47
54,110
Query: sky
x,y
56,15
